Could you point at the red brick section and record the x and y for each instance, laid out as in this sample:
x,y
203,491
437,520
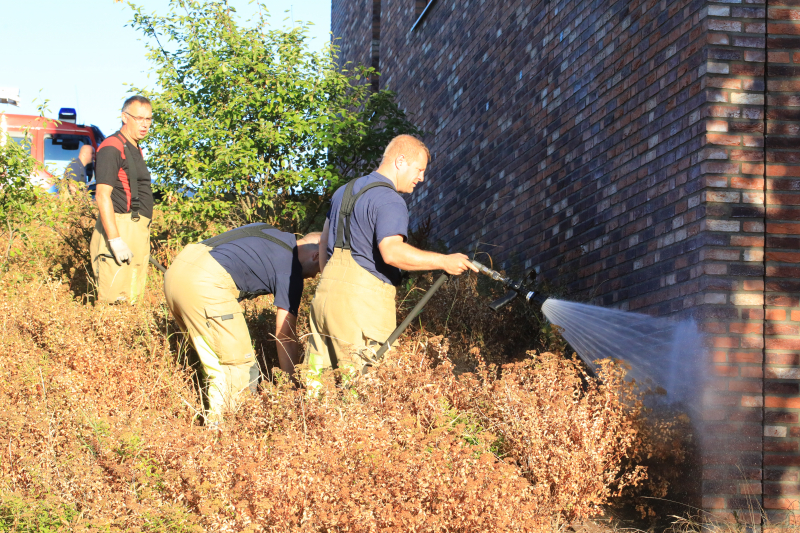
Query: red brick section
x,y
619,147
782,369
733,171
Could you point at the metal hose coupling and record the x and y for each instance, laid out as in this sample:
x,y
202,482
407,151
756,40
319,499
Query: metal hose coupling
x,y
516,287
495,275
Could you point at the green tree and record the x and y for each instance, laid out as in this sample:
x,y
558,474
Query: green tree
x,y
251,121
17,192
16,168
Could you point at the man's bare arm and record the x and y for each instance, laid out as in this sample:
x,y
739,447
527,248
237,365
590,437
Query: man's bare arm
x,y
323,247
106,207
402,255
286,338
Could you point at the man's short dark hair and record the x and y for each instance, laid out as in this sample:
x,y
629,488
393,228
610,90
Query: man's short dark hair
x,y
137,98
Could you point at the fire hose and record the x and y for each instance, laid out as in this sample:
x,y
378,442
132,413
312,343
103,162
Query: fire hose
x,y
158,265
522,287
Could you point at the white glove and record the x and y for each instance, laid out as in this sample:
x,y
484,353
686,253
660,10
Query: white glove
x,y
120,250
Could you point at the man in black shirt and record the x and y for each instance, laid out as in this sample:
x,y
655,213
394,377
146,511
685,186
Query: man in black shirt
x,y
204,285
120,246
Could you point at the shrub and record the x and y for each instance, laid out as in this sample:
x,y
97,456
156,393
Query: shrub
x,y
101,419
43,516
17,192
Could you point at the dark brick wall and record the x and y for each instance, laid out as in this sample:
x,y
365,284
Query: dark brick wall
x,y
562,133
567,135
619,147
351,26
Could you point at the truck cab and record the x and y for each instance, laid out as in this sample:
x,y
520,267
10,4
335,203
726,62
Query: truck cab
x,y
54,143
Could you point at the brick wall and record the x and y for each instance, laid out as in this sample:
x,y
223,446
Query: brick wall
x,y
352,27
754,396
565,128
734,257
619,146
782,365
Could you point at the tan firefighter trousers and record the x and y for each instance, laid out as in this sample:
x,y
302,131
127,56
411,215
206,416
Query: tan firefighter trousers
x,y
121,283
351,310
203,299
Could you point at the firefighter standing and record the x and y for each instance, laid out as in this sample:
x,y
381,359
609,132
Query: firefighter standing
x,y
76,169
204,285
120,246
362,251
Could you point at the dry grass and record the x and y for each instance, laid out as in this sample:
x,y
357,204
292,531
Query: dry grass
x,y
98,426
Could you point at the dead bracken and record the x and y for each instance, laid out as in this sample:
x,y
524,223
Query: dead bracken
x,y
100,433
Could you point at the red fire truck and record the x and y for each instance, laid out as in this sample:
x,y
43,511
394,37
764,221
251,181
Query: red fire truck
x,y
53,143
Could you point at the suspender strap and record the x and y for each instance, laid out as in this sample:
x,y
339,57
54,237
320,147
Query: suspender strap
x,y
346,197
133,182
346,210
255,230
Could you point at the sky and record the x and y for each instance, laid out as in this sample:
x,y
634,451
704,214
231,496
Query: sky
x,y
87,57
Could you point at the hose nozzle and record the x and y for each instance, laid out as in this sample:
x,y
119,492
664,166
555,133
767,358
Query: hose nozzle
x,y
516,288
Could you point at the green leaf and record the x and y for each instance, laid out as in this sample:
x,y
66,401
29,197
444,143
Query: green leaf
x,y
252,121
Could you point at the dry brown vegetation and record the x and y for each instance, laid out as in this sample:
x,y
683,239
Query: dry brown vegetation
x,y
459,430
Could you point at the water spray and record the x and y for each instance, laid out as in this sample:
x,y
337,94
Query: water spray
x,y
659,350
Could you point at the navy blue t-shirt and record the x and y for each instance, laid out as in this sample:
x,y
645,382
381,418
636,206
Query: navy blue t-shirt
x,y
380,213
76,171
258,265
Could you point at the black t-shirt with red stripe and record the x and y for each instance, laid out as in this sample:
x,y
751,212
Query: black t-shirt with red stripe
x,y
113,169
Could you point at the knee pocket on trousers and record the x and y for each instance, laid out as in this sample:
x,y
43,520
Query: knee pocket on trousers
x,y
230,338
373,336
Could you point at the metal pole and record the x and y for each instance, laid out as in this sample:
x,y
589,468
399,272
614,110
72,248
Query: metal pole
x,y
412,315
158,265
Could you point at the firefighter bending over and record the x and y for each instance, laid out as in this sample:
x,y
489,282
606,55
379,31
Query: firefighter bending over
x,y
120,246
204,285
362,250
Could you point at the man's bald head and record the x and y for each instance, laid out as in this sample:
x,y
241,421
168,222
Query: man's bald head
x,y
308,253
86,154
406,145
404,162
